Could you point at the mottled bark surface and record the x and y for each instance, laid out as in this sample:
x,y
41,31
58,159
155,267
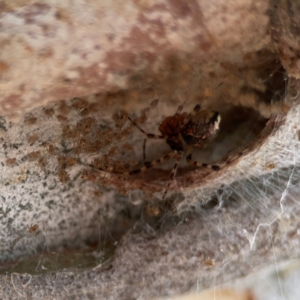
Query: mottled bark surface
x,y
89,47
70,230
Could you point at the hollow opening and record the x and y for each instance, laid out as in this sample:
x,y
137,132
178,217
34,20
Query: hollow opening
x,y
246,95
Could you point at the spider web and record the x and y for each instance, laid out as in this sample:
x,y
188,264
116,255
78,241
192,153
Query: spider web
x,y
96,239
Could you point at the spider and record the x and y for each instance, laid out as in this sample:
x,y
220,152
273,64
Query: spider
x,y
196,130
33,228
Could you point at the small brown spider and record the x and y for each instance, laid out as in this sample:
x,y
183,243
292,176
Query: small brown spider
x,y
33,228
196,129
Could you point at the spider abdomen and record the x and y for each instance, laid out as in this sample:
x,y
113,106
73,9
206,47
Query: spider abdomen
x,y
201,129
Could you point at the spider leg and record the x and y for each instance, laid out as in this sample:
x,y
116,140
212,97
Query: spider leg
x,y
174,170
195,110
199,164
147,165
180,108
148,135
144,149
151,164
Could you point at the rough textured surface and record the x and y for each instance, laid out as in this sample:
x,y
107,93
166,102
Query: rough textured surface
x,y
90,47
69,230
